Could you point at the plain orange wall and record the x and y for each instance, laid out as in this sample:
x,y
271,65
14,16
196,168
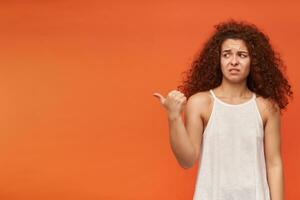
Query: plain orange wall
x,y
78,119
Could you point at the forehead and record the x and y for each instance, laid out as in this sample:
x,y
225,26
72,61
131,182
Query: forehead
x,y
236,44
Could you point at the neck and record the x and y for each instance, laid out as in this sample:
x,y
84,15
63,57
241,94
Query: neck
x,y
234,90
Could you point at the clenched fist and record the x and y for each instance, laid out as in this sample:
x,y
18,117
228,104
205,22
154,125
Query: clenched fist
x,y
174,102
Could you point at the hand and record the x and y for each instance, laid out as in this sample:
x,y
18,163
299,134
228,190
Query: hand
x,y
174,102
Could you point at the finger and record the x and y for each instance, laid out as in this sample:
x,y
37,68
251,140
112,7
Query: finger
x,y
177,95
181,99
159,96
181,94
174,92
177,92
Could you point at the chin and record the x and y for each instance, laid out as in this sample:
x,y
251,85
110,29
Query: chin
x,y
236,79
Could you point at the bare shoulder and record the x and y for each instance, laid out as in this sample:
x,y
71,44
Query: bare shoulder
x,y
266,108
199,103
200,99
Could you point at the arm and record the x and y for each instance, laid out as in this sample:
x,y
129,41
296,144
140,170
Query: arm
x,y
273,155
186,140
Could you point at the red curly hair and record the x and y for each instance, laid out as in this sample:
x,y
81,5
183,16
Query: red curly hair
x,y
266,77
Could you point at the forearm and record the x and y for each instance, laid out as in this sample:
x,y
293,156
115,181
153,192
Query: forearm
x,y
276,181
180,142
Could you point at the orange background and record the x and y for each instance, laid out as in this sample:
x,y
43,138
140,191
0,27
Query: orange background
x,y
78,119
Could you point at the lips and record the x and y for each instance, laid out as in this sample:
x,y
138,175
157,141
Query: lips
x,y
234,70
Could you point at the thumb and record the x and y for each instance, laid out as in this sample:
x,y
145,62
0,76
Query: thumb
x,y
160,97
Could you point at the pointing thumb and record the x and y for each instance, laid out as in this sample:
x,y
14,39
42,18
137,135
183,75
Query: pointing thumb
x,y
160,97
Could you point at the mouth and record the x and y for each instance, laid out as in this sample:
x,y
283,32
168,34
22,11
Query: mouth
x,y
234,70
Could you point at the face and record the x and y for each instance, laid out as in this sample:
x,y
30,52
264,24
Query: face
x,y
235,60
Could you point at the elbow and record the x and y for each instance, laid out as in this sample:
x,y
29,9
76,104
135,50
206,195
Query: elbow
x,y
188,164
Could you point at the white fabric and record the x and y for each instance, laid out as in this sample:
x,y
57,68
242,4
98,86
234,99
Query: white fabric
x,y
232,161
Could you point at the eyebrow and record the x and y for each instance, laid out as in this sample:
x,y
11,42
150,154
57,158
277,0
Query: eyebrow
x,y
229,50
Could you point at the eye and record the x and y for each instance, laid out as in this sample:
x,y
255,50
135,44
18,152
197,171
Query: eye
x,y
243,55
226,55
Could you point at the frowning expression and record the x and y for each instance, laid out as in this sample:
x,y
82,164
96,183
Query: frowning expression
x,y
235,60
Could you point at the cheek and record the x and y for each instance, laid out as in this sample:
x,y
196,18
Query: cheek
x,y
246,68
246,65
223,62
223,66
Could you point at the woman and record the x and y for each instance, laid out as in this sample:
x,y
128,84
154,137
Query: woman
x,y
233,96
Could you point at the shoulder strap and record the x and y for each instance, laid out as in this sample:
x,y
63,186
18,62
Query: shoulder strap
x,y
254,96
212,93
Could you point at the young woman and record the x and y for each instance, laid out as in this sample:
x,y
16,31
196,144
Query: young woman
x,y
233,96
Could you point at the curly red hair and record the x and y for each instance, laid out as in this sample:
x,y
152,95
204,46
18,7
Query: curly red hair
x,y
266,77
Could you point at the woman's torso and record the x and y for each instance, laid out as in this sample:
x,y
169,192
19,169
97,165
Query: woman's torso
x,y
232,138
206,110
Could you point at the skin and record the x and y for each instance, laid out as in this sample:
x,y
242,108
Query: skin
x,y
186,139
233,90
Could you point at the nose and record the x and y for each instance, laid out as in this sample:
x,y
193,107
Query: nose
x,y
234,60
